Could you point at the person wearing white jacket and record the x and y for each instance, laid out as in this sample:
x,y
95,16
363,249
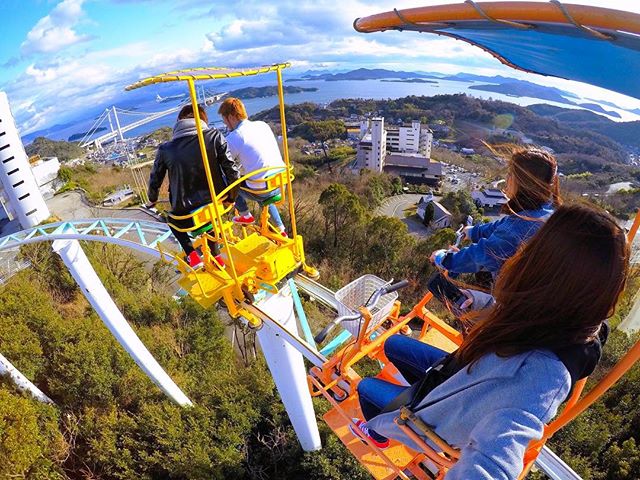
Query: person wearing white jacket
x,y
254,146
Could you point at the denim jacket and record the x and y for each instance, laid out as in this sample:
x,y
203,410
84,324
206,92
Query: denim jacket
x,y
490,413
495,242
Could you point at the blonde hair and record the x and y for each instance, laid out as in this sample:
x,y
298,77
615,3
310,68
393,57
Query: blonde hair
x,y
233,106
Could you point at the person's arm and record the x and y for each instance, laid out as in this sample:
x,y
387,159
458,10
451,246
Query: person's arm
x,y
483,230
156,177
227,165
497,444
488,253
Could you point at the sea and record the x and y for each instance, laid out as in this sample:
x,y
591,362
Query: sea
x,y
327,91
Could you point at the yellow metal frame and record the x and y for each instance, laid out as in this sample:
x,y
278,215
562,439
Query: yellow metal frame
x,y
277,256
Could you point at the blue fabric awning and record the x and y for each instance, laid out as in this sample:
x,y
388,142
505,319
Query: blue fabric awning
x,y
587,44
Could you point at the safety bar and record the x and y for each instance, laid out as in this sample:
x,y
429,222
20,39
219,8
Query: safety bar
x,y
281,173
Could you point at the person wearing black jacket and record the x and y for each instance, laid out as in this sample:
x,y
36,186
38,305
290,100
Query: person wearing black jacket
x,y
188,187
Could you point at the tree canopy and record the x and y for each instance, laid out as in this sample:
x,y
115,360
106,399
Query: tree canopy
x,y
51,148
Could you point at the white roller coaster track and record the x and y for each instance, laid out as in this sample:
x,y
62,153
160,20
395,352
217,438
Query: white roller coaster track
x,y
142,236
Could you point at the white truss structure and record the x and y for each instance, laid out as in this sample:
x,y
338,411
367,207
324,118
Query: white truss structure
x,y
152,238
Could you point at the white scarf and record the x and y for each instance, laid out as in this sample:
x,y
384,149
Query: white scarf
x,y
187,127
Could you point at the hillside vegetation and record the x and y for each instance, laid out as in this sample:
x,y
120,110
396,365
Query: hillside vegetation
x,y
563,137
51,148
113,423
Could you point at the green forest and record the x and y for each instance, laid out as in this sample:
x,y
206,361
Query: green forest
x,y
111,422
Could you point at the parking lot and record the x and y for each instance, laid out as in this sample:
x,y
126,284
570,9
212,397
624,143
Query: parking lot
x,y
457,178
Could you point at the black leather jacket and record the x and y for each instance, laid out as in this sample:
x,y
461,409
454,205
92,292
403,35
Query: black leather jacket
x,y
188,188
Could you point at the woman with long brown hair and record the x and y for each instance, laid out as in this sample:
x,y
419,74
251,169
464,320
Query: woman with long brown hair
x,y
533,192
492,396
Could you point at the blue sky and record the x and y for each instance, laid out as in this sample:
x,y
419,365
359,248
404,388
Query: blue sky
x,y
59,57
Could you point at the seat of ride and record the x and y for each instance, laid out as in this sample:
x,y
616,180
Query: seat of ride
x,y
404,458
258,258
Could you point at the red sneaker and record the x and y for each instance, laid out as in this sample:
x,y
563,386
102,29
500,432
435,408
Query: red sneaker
x,y
284,234
362,425
219,260
244,219
194,260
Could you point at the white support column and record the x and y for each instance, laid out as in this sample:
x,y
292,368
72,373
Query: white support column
x,y
21,381
86,277
287,368
16,176
115,116
110,121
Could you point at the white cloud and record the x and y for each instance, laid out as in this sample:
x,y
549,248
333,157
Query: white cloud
x,y
249,32
55,31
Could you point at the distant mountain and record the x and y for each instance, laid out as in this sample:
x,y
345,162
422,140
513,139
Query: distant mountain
x,y
625,133
583,140
470,77
51,148
46,131
364,74
408,80
497,83
597,108
521,88
604,102
611,104
513,85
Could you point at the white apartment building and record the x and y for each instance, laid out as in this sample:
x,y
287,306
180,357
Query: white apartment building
x,y
372,149
400,150
410,139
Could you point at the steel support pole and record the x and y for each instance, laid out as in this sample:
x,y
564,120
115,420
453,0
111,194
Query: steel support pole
x,y
82,271
287,368
21,381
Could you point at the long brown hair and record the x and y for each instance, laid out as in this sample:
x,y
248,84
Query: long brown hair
x,y
534,173
557,290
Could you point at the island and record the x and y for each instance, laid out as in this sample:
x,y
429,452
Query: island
x,y
269,91
80,135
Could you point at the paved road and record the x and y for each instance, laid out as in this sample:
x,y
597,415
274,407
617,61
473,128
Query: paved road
x,y
396,206
632,322
71,206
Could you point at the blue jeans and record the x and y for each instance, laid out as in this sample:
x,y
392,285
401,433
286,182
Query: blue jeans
x,y
243,208
412,358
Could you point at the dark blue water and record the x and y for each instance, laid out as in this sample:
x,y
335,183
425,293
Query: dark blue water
x,y
327,92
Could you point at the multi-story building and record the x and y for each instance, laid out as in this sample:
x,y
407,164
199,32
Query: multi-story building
x,y
410,139
401,150
414,168
372,149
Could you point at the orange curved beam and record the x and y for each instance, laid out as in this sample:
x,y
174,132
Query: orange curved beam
x,y
596,17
